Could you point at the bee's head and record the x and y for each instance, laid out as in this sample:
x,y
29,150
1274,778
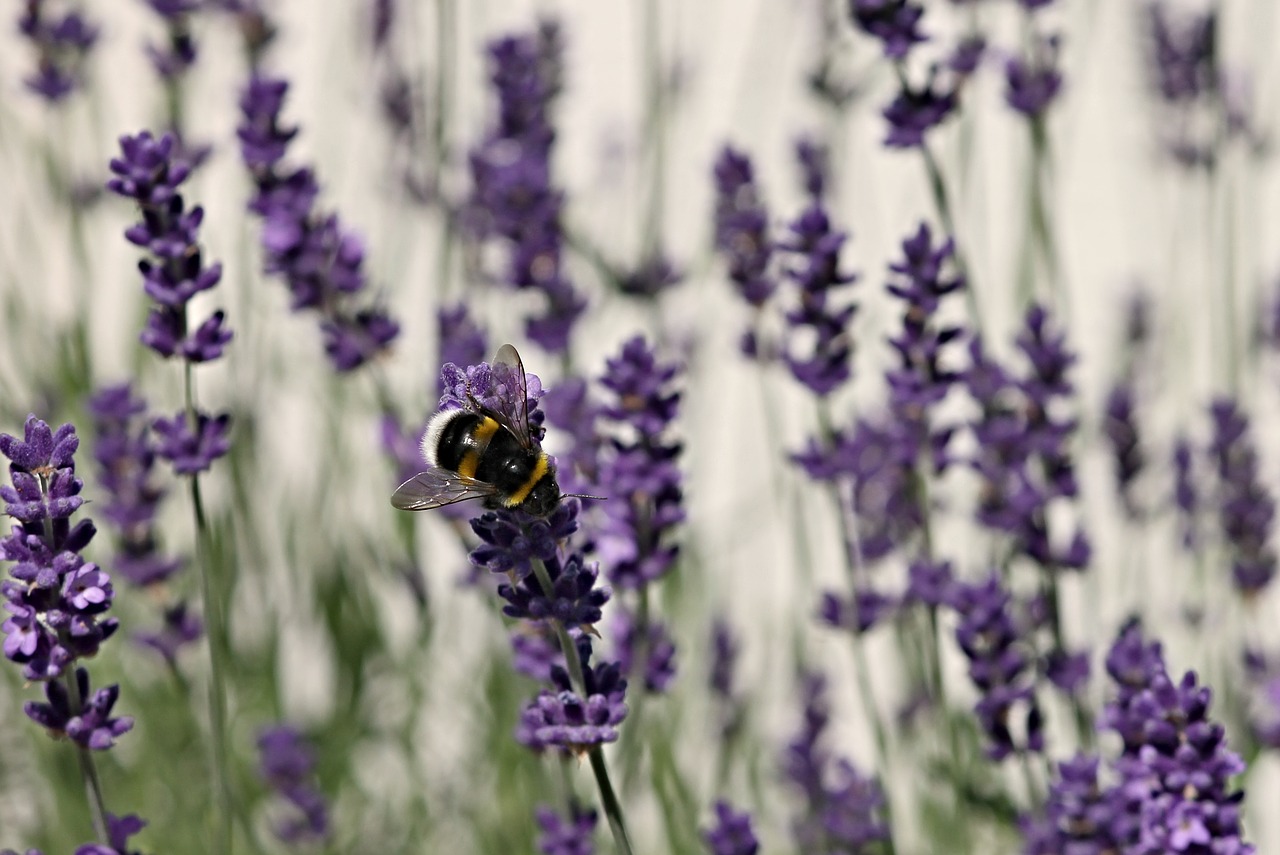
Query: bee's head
x,y
544,496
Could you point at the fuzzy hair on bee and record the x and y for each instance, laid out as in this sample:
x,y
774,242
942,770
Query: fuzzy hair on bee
x,y
477,452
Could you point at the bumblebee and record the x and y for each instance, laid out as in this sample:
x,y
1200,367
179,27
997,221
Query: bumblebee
x,y
479,453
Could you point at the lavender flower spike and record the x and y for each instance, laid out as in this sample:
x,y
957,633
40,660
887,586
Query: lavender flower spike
x,y
569,722
62,45
287,764
815,247
731,834
566,836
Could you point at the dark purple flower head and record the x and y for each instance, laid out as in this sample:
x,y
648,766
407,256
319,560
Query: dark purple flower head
x,y
731,833
572,835
192,451
180,628
89,724
868,608
819,346
575,601
639,468
1001,665
929,582
1121,431
895,23
287,763
1031,85
742,227
511,540
916,111
62,45
1183,53
319,258
119,830
1246,508
967,55
1081,814
814,160
565,720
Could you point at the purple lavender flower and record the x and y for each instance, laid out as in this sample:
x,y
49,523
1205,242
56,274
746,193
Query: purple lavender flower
x,y
731,834
1186,496
574,601
514,198
150,172
1023,456
1183,60
566,720
493,389
1031,85
867,608
173,59
55,599
814,160
895,23
843,807
1081,814
534,650
1121,431
126,459
85,719
62,45
463,340
1000,665
572,835
742,227
917,110
192,451
640,471
572,411
119,830
287,763
320,259
815,246
1246,509
511,540
967,55
646,651
179,629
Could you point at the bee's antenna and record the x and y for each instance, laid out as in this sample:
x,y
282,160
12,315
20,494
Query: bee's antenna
x,y
582,496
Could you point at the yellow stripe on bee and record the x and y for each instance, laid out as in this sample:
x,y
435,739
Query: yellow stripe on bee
x,y
485,431
539,470
467,467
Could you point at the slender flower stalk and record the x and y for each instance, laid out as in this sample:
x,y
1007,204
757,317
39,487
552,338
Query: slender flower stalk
x,y
150,171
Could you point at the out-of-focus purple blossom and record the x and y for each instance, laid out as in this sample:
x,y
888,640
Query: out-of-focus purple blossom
x,y
742,232
1120,428
1246,508
574,601
842,807
647,651
967,55
572,835
192,451
174,58
150,172
85,720
463,341
1183,53
818,344
534,651
1023,455
1186,495
571,410
928,582
179,629
320,259
55,600
731,833
119,830
514,198
724,659
917,110
287,763
1081,814
565,720
639,468
895,23
867,608
126,459
1000,665
62,44
1032,84
814,160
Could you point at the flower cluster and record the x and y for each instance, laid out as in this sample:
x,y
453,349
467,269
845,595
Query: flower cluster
x,y
119,830
731,834
819,347
287,764
62,44
57,601
1173,792
1246,508
572,835
514,198
742,231
1000,665
1033,82
1023,453
574,720
173,59
319,258
842,807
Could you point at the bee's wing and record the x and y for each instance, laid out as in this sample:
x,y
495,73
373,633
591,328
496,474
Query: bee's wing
x,y
508,362
437,487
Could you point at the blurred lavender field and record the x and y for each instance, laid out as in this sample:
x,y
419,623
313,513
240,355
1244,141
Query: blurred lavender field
x,y
925,352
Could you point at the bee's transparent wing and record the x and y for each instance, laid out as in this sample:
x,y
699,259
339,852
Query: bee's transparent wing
x,y
510,370
438,487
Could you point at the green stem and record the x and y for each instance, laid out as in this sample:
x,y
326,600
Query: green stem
x,y
608,798
655,129
88,769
